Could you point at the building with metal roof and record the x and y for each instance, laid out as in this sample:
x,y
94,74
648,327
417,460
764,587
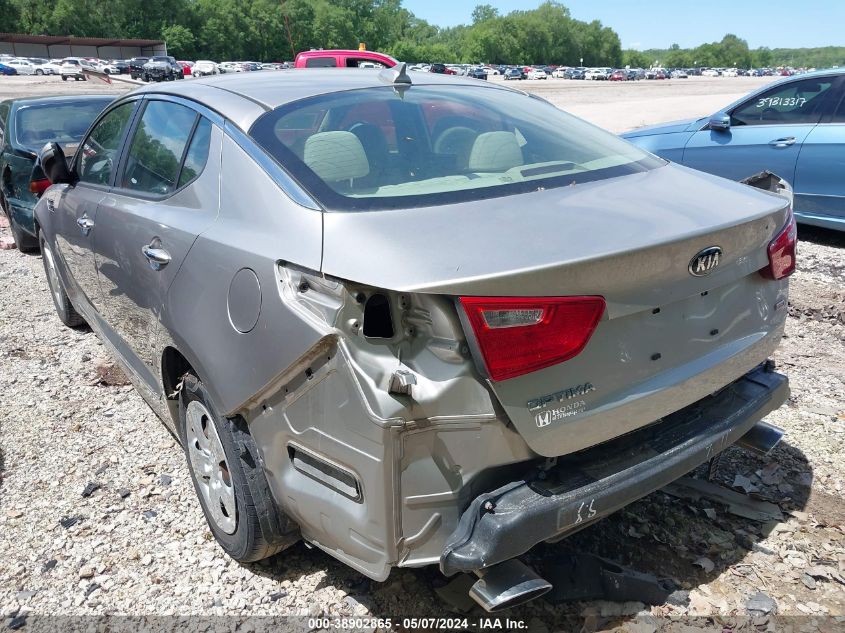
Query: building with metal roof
x,y
57,46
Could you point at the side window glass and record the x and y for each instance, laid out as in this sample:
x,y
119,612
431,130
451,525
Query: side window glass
x,y
197,154
794,102
155,155
320,62
839,115
4,113
98,154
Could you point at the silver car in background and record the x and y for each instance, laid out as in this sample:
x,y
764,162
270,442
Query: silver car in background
x,y
415,321
204,67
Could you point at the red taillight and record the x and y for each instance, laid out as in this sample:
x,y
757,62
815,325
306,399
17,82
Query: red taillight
x,y
518,335
782,251
39,186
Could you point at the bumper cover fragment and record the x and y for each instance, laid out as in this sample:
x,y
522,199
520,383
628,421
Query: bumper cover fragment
x,y
588,485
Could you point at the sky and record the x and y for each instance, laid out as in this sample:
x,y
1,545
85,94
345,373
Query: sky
x,y
660,23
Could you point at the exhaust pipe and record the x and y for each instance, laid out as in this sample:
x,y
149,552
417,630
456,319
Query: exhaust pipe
x,y
506,585
761,438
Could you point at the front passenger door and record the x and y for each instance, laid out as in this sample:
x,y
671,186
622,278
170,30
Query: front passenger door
x,y
766,132
164,197
96,160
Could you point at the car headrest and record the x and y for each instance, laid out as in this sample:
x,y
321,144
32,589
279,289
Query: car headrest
x,y
495,151
335,156
456,141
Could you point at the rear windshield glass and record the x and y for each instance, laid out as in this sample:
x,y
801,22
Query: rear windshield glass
x,y
386,148
36,125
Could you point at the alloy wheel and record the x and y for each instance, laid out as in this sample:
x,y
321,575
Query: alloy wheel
x,y
210,466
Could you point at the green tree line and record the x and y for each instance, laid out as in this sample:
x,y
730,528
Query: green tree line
x,y
275,30
734,51
278,29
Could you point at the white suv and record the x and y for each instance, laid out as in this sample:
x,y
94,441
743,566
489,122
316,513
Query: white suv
x,y
72,68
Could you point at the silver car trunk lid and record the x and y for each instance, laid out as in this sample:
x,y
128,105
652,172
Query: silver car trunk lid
x,y
666,339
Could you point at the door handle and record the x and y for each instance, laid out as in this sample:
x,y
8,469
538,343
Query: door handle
x,y
158,257
85,224
786,141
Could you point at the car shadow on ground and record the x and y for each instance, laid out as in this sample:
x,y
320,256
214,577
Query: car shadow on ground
x,y
818,235
660,534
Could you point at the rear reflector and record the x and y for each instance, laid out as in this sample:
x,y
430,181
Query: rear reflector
x,y
782,251
39,186
518,335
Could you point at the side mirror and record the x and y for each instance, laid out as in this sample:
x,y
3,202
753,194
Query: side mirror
x,y
719,121
54,164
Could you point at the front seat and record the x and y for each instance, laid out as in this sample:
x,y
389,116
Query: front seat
x,y
338,158
377,151
456,143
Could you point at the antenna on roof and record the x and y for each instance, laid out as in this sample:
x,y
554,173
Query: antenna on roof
x,y
398,75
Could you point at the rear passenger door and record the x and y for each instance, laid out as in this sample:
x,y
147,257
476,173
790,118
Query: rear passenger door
x,y
166,193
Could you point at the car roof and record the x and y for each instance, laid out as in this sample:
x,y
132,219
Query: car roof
x,y
243,97
57,99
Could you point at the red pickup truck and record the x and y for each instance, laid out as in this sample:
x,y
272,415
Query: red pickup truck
x,y
343,59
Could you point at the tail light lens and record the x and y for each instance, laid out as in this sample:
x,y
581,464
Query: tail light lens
x,y
782,251
39,186
518,335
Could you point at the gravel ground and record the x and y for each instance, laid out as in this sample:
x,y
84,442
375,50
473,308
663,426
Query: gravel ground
x,y
137,544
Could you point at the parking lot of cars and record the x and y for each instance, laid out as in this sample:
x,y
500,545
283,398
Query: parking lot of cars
x,y
158,483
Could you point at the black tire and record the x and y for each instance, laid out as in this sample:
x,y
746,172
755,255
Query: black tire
x,y
64,77
262,529
25,242
64,308
39,72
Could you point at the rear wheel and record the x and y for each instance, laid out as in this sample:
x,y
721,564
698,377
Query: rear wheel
x,y
25,242
229,480
64,77
64,308
39,72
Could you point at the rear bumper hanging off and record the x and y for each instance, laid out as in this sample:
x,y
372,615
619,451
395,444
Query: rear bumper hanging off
x,y
595,482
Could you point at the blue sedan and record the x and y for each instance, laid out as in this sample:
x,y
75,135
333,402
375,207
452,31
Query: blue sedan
x,y
794,128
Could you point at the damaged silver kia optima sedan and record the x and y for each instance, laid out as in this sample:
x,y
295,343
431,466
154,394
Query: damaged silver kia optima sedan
x,y
415,321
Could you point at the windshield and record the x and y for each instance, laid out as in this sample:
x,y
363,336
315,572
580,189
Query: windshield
x,y
386,148
64,123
